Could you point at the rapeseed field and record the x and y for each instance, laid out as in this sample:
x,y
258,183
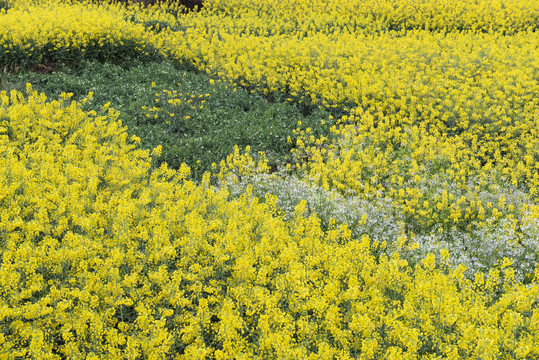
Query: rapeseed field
x,y
409,230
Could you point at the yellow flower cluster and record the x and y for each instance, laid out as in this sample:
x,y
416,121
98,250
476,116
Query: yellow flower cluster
x,y
270,17
465,103
103,259
344,15
435,118
175,104
50,31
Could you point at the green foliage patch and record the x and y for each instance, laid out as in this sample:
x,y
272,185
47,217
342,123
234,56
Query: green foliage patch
x,y
195,118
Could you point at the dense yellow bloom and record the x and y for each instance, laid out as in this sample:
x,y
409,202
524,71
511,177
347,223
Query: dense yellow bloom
x,y
54,32
462,101
102,258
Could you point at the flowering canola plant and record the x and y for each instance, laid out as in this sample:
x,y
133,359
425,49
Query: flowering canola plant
x,y
55,33
102,257
440,120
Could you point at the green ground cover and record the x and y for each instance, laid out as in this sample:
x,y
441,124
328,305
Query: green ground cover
x,y
201,124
